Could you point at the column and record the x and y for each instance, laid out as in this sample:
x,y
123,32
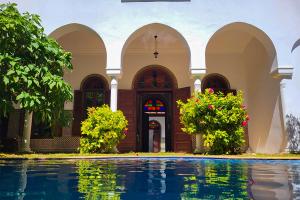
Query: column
x,y
114,94
283,115
197,88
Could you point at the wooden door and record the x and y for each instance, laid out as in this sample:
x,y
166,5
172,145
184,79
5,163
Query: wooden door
x,y
127,104
182,142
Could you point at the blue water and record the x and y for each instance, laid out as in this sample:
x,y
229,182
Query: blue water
x,y
151,178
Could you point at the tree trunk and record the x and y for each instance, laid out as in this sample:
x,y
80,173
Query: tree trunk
x,y
25,143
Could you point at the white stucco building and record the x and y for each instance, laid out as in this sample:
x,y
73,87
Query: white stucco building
x,y
234,45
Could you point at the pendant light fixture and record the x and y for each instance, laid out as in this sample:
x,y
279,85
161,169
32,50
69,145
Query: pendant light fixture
x,y
155,47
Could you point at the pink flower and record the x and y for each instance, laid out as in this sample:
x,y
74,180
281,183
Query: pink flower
x,y
244,123
243,106
211,107
210,90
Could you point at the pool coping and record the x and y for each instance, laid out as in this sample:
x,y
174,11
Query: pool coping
x,y
150,157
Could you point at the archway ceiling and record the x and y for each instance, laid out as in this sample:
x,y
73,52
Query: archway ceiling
x,y
167,42
82,42
229,42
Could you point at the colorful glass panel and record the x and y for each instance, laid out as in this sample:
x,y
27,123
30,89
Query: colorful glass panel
x,y
154,105
153,125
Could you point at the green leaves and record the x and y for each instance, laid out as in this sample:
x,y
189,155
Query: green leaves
x,y
218,117
31,66
102,130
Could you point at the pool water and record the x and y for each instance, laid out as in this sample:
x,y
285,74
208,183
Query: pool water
x,y
150,178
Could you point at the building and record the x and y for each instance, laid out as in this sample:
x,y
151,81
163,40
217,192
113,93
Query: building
x,y
227,45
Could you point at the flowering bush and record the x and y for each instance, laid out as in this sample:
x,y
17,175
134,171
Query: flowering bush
x,y
102,130
220,119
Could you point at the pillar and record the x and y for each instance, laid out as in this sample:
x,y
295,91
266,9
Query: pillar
x,y
285,147
114,94
197,88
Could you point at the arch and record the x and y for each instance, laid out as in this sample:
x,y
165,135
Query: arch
x,y
247,57
70,28
248,32
73,28
162,70
154,124
88,51
88,78
296,44
215,81
154,29
94,91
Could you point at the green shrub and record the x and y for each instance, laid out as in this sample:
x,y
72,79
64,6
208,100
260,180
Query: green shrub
x,y
219,118
102,130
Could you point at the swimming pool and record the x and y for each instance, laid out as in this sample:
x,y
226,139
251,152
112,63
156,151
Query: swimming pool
x,y
150,178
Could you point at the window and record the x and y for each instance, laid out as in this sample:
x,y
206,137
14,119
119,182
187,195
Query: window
x,y
154,106
154,78
218,83
93,90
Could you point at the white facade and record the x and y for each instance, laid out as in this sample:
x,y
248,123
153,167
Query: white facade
x,y
252,43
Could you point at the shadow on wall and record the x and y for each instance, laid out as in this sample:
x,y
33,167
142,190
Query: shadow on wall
x,y
293,130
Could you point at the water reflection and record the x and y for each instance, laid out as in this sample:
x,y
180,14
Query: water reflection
x,y
270,181
225,180
150,179
98,180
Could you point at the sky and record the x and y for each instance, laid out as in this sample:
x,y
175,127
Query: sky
x,y
292,88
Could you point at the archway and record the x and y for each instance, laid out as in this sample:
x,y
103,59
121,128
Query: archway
x,y
174,56
246,56
89,64
156,137
154,86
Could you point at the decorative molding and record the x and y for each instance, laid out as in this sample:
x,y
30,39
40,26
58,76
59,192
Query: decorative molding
x,y
113,72
283,72
141,1
198,72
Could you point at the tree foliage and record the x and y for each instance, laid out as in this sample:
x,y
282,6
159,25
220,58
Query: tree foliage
x,y
219,118
293,130
31,66
102,130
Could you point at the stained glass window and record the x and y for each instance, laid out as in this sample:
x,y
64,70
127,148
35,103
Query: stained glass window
x,y
154,125
154,78
154,105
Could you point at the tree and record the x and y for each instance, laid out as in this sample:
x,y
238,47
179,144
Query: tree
x,y
293,130
31,70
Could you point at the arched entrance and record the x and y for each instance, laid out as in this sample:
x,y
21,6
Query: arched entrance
x,y
156,136
246,56
154,87
174,56
89,64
